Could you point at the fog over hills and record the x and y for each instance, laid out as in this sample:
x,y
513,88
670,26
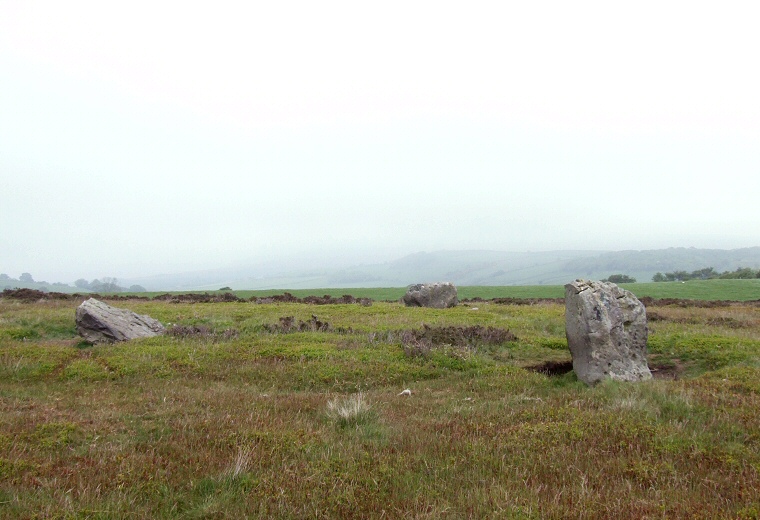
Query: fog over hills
x,y
258,145
461,268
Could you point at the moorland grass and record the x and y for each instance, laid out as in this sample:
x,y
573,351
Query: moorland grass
x,y
264,424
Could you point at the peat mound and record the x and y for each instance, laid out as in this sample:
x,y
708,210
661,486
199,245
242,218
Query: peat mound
x,y
462,337
288,324
648,301
717,321
514,301
314,300
200,331
33,295
198,298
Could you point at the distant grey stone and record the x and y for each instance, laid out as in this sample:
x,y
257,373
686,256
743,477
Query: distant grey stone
x,y
606,329
98,322
439,295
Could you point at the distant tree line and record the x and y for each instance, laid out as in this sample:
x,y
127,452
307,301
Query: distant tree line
x,y
27,279
708,273
620,278
106,285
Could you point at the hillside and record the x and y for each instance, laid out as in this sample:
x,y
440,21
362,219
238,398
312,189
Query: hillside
x,y
498,268
644,264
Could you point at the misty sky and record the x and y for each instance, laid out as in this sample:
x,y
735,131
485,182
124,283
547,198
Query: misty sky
x,y
140,138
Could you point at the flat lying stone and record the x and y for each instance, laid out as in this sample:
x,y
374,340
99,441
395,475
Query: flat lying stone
x,y
98,322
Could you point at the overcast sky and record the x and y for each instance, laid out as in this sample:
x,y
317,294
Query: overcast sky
x,y
140,138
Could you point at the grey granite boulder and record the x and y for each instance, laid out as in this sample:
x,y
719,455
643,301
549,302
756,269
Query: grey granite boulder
x,y
98,322
439,295
606,329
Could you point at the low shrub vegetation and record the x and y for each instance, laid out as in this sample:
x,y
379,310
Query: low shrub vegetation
x,y
297,409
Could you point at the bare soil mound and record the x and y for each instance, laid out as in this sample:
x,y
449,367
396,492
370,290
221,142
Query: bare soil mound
x,y
422,341
515,301
314,300
288,324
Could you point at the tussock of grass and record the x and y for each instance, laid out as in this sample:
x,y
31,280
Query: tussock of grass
x,y
350,411
240,464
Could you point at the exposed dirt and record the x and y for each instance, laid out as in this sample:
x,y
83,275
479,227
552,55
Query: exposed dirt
x,y
552,368
671,370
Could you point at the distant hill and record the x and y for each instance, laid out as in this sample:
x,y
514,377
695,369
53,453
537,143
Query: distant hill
x,y
644,264
466,268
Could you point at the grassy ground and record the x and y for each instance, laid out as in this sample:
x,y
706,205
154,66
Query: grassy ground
x,y
243,422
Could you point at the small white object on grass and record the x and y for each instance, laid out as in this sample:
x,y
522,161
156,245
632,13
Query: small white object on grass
x,y
406,392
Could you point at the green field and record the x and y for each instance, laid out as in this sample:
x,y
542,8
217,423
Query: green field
x,y
231,417
737,290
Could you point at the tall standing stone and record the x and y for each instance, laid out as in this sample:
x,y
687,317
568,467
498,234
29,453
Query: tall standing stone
x,y
606,329
439,295
98,322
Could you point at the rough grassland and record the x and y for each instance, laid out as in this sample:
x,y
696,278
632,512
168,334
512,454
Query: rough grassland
x,y
237,421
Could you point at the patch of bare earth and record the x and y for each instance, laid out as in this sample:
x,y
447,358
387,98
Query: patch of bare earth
x,y
671,370
552,368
